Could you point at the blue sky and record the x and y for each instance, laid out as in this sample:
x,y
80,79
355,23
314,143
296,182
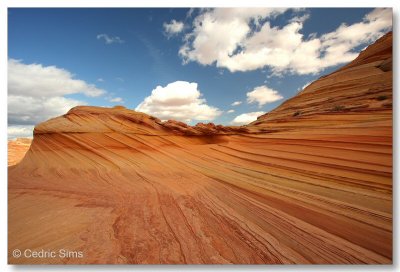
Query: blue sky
x,y
203,60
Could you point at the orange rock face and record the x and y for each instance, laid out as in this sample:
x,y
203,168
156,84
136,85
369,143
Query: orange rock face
x,y
310,182
17,149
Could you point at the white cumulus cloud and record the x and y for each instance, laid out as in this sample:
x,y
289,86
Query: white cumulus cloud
x,y
230,111
31,110
36,94
263,95
38,80
246,118
179,100
243,39
236,103
217,33
174,27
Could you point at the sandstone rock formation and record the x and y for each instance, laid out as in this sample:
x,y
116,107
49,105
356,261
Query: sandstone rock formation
x,y
310,182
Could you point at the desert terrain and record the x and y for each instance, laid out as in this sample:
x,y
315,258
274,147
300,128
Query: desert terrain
x,y
307,183
17,149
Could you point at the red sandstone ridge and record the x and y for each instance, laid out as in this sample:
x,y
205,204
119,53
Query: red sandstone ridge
x,y
310,182
87,119
357,90
17,149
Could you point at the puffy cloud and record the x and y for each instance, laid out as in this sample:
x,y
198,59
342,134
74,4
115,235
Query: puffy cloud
x,y
48,81
243,40
246,118
179,100
117,100
174,27
263,95
36,93
236,103
30,110
230,111
24,112
217,33
109,39
20,132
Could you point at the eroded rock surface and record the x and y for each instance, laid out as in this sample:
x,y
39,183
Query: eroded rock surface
x,y
310,182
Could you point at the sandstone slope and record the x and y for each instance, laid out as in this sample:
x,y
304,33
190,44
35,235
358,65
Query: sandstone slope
x,y
308,187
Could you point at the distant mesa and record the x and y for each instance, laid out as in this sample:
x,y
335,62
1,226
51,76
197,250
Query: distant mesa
x,y
17,149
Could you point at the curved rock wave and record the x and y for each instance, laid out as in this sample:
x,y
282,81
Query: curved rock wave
x,y
310,182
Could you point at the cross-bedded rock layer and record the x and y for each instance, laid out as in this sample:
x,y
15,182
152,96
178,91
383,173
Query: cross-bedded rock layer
x,y
310,182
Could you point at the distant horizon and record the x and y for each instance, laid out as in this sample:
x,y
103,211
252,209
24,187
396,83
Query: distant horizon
x,y
176,63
